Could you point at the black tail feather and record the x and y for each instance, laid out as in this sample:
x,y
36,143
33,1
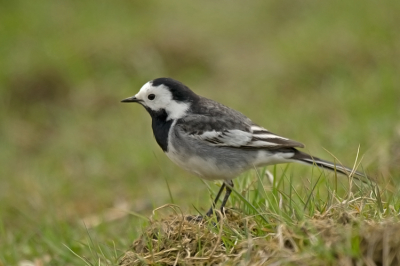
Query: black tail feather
x,y
311,160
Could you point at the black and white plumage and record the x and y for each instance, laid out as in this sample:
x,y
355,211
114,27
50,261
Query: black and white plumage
x,y
212,140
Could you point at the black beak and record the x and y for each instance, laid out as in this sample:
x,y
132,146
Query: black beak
x,y
132,99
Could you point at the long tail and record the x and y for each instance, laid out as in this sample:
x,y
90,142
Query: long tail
x,y
303,157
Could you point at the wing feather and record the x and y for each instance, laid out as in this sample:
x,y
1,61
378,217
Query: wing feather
x,y
222,131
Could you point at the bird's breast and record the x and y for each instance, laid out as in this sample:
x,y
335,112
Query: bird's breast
x,y
161,127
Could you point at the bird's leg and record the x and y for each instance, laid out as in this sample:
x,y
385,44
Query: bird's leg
x,y
210,211
199,218
229,186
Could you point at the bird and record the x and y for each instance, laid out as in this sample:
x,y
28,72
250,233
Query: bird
x,y
213,141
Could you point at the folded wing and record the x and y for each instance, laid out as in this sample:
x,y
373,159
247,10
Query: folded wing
x,y
230,133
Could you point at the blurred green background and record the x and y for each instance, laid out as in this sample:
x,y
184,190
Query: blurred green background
x,y
325,73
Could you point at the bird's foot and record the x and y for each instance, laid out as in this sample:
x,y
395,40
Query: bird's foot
x,y
194,218
200,218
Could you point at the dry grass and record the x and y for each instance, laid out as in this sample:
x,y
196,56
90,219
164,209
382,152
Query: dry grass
x,y
335,237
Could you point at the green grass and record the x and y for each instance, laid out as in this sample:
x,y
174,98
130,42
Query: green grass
x,y
322,73
281,223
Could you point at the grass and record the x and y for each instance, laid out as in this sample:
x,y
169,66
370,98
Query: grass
x,y
78,169
278,224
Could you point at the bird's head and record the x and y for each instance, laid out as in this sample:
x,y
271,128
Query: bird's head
x,y
165,94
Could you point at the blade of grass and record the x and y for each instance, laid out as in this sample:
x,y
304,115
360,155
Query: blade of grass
x,y
311,192
91,240
169,190
77,255
249,204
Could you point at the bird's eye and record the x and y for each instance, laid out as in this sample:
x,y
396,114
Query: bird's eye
x,y
151,97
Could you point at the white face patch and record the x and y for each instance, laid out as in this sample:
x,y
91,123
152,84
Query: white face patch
x,y
162,100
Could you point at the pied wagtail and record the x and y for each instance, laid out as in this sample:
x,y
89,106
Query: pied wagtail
x,y
212,140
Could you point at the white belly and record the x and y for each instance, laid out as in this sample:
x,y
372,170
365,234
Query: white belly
x,y
204,168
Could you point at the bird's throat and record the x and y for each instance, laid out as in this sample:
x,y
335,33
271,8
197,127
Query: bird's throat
x,y
161,127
